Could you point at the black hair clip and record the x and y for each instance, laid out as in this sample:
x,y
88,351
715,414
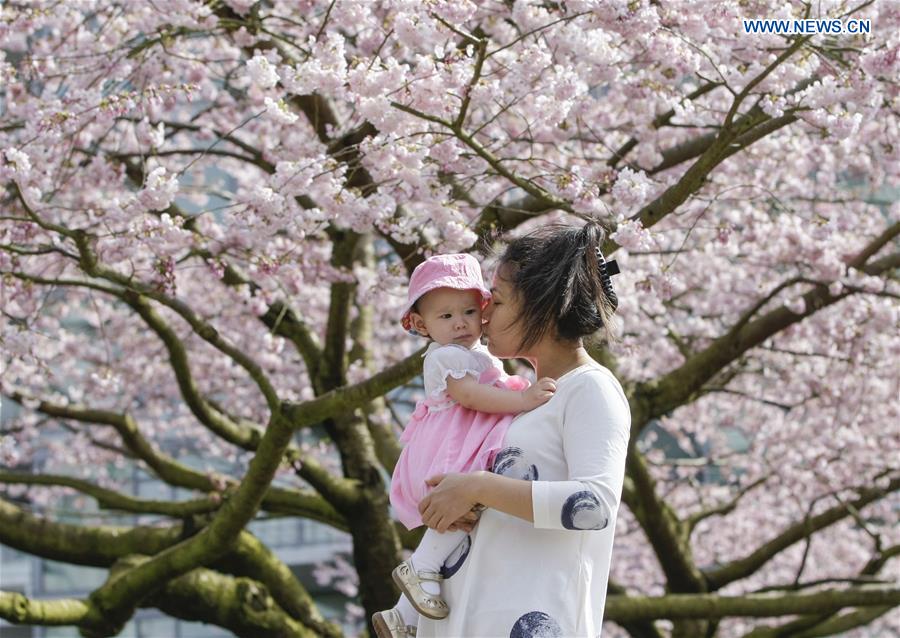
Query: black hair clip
x,y
612,267
607,270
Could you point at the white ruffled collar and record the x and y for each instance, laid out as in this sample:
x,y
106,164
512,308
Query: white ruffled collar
x,y
479,347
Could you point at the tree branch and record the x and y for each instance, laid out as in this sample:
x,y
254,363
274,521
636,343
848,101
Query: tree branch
x,y
202,328
184,151
721,510
636,628
95,546
480,55
386,446
253,559
103,546
19,609
110,499
659,396
678,606
720,576
280,317
114,602
244,434
240,605
332,370
740,97
133,289
835,624
495,162
243,606
659,121
827,624
348,398
664,530
278,500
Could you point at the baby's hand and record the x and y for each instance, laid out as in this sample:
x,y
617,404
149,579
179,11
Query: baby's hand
x,y
539,393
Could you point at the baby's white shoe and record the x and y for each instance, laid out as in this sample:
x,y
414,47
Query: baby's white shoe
x,y
389,624
410,583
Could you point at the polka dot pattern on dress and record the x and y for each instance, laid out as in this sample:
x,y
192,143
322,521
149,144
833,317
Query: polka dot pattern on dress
x,y
510,462
584,511
536,624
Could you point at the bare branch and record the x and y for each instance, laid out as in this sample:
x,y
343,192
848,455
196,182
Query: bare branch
x,y
104,546
241,605
828,624
116,600
110,499
678,606
721,510
347,398
835,625
19,609
94,546
636,628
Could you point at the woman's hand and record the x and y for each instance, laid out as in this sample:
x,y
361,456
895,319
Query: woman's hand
x,y
452,499
467,522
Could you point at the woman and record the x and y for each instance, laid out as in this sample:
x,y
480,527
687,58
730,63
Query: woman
x,y
537,563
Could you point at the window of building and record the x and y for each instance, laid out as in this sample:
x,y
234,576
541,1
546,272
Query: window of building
x,y
60,578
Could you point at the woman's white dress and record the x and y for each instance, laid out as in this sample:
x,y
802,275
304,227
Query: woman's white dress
x,y
516,579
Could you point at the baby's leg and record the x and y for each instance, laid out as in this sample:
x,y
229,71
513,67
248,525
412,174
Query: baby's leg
x,y
429,556
433,551
407,612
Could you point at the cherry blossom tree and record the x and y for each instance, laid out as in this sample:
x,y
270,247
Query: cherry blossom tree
x,y
210,211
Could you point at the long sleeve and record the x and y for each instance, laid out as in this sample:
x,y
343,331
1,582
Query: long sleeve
x,y
596,423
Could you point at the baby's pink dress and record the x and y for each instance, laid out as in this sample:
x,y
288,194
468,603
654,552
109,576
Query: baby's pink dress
x,y
443,436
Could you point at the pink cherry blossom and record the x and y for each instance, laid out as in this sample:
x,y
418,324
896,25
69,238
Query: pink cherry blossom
x,y
278,169
159,190
262,72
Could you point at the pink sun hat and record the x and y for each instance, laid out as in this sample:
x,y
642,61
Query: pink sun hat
x,y
459,271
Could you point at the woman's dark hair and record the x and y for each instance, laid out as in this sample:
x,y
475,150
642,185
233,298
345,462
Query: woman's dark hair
x,y
561,280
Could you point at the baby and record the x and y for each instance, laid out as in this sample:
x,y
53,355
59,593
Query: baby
x,y
458,427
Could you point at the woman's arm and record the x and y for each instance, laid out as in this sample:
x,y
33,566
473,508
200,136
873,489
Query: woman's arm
x,y
486,398
455,494
596,424
595,433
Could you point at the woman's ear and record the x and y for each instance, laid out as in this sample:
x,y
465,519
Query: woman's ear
x,y
418,323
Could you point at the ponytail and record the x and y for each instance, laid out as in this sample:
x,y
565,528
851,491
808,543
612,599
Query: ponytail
x,y
563,282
